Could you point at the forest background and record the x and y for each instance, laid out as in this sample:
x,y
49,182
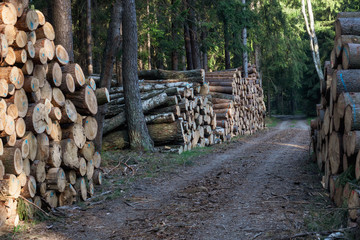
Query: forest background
x,y
190,34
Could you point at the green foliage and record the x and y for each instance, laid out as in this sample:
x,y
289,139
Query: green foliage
x,y
275,26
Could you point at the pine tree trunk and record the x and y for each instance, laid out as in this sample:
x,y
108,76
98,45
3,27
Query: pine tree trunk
x,y
89,39
63,25
245,53
188,47
195,49
113,42
138,132
227,52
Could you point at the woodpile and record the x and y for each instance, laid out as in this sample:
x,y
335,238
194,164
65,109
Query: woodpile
x,y
238,102
177,109
47,122
186,109
335,133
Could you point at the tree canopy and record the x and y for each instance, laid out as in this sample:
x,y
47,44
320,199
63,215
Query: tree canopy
x,y
209,30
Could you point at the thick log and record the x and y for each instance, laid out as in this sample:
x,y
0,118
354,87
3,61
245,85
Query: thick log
x,y
165,74
10,185
347,26
352,118
116,140
348,15
84,100
80,187
147,105
68,113
167,133
351,56
30,137
43,151
34,118
62,55
67,196
29,190
41,17
55,154
37,170
9,32
88,151
46,31
54,74
20,39
12,160
335,152
345,81
28,21
221,89
51,198
97,159
90,127
76,72
160,118
56,132
56,179
223,96
69,154
344,39
20,56
102,96
67,84
76,133
31,84
8,14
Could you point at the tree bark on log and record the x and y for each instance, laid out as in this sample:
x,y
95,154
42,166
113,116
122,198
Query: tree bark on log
x,y
347,26
345,81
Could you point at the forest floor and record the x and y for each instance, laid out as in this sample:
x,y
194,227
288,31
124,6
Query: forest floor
x,y
256,187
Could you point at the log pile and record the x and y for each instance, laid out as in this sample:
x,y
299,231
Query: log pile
x,y
238,102
187,109
177,110
46,117
335,133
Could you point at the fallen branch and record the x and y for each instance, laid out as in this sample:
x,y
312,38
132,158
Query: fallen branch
x,y
34,205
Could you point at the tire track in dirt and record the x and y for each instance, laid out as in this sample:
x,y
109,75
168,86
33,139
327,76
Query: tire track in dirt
x,y
227,201
245,189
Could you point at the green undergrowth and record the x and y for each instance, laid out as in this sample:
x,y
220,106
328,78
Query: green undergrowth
x,y
271,122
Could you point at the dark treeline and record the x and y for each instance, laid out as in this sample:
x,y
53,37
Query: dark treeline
x,y
189,34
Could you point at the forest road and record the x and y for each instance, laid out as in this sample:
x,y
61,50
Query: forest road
x,y
256,187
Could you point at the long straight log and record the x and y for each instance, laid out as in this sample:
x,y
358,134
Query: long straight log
x,y
165,74
147,105
347,26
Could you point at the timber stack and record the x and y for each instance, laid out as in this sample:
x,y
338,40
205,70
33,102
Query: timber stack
x,y
177,108
47,156
186,109
335,133
238,102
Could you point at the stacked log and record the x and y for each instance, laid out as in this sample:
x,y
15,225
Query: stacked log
x,y
47,122
238,102
186,109
335,133
177,110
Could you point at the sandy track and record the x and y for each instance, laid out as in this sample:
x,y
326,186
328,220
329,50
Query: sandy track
x,y
253,188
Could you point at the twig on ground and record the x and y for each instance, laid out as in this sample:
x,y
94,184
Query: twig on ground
x,y
131,168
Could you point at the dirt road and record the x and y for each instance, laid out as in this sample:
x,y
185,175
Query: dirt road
x,y
256,187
